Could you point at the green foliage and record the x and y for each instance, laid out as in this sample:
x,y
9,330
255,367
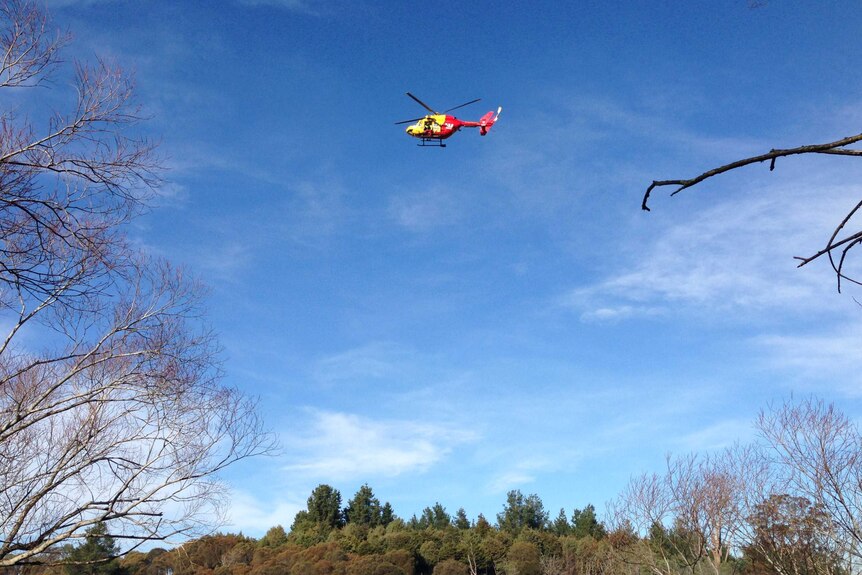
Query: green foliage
x,y
460,521
350,537
324,506
546,542
561,526
323,513
401,539
387,514
523,558
586,524
586,555
372,541
372,565
434,517
450,539
494,546
95,555
482,526
429,552
471,550
275,537
306,533
365,509
375,541
450,567
520,512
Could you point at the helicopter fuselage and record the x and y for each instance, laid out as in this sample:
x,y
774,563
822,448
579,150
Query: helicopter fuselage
x,y
436,126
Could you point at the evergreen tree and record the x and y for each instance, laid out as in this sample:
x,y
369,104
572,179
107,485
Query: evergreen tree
x,y
561,524
364,508
585,523
275,536
387,514
482,527
460,521
324,507
435,517
520,512
96,555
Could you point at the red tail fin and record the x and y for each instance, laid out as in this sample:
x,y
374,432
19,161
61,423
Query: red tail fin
x,y
486,121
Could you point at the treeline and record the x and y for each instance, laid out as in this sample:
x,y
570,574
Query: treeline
x,y
789,503
366,537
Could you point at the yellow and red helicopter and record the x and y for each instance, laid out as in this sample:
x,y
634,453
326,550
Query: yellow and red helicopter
x,y
437,126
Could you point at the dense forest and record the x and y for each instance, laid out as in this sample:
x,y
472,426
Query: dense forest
x,y
366,537
789,503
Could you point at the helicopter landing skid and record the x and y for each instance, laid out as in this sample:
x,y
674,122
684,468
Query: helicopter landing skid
x,y
431,143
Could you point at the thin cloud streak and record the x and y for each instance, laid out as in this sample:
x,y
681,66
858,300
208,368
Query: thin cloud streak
x,y
375,360
342,446
424,211
810,359
735,256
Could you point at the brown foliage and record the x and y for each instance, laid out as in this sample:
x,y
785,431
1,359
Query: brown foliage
x,y
450,567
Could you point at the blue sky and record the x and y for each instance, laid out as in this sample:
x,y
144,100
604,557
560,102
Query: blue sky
x,y
447,325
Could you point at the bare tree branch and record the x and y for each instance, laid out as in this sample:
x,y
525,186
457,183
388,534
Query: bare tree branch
x,y
837,147
120,416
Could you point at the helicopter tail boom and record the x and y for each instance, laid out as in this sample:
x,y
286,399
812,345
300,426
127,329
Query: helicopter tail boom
x,y
487,121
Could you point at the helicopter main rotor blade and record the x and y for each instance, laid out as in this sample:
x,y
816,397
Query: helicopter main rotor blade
x,y
409,121
462,105
421,103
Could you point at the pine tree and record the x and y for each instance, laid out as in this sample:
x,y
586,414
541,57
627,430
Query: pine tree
x,y
96,555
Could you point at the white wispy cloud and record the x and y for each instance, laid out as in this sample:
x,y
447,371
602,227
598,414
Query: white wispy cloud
x,y
716,436
424,210
734,256
374,360
67,3
825,361
313,7
511,479
171,194
612,314
248,514
523,472
346,446
226,261
315,212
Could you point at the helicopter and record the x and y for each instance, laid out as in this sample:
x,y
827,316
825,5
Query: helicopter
x,y
437,126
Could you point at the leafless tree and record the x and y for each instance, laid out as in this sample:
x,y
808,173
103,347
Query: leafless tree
x,y
688,518
111,406
819,450
840,241
645,508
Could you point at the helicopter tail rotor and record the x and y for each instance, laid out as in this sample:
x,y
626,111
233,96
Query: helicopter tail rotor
x,y
488,120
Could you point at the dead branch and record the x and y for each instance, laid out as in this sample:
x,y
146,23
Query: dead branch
x,y
837,147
